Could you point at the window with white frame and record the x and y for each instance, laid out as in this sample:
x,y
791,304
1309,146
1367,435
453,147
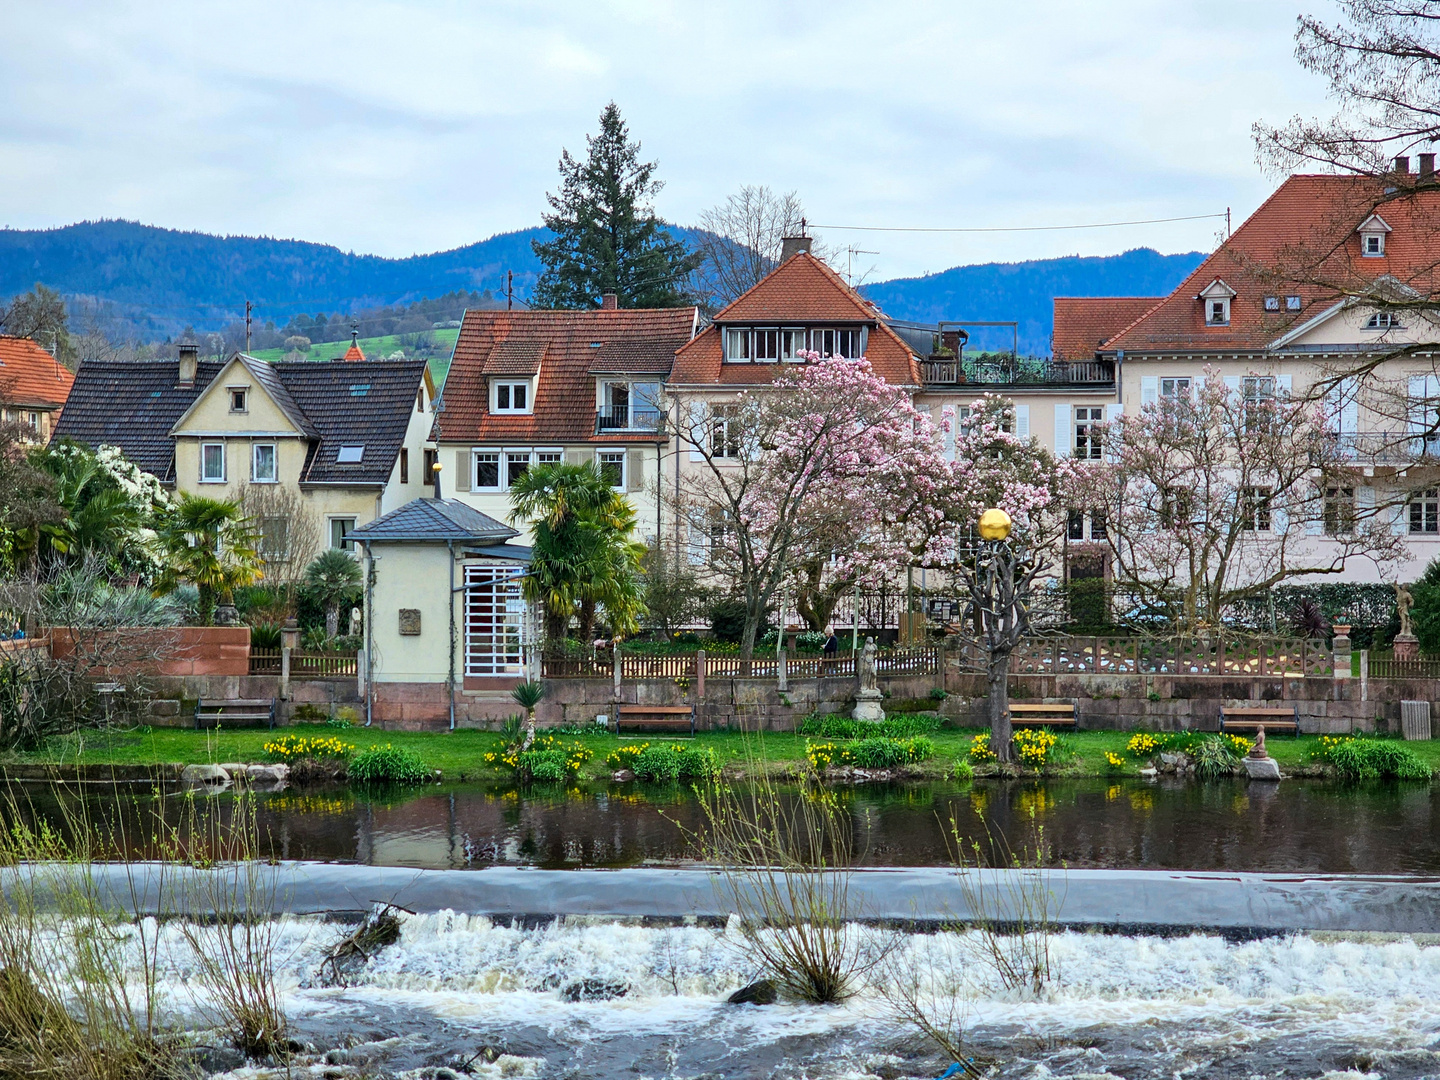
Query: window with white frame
x,y
1255,508
849,343
263,466
1383,320
517,463
1088,419
487,470
1425,512
725,431
340,530
1374,244
1176,388
1075,525
1258,400
612,467
1217,312
212,463
274,538
549,457
1338,512
510,397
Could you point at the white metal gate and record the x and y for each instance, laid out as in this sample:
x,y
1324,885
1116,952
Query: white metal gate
x,y
494,618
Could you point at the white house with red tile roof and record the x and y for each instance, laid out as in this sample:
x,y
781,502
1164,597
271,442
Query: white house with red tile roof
x,y
530,387
1281,306
33,387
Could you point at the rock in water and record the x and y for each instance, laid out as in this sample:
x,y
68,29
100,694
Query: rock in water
x,y
204,774
1262,768
762,992
594,990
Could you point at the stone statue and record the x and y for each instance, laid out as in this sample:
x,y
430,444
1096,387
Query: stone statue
x,y
1258,750
1404,601
865,666
354,622
867,695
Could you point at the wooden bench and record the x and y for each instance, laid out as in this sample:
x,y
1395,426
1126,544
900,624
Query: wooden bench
x,y
677,718
1055,714
234,712
1244,718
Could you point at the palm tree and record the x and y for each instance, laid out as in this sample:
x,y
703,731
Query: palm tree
x,y
211,544
333,578
528,695
583,557
97,517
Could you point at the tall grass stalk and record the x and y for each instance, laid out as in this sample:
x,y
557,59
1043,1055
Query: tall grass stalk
x,y
787,865
79,986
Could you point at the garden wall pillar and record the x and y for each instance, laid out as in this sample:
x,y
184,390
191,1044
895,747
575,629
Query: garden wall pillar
x,y
700,675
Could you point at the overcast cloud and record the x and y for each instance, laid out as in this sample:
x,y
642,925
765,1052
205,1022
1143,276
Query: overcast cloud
x,y
397,128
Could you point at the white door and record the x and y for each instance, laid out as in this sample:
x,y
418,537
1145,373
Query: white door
x,y
494,618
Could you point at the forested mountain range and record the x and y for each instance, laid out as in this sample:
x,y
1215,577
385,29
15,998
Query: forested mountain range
x,y
139,281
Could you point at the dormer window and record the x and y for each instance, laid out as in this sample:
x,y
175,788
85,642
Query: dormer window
x,y
510,397
1372,236
784,344
239,399
1383,320
1216,297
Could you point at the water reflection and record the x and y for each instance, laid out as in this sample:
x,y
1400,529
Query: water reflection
x,y
1294,826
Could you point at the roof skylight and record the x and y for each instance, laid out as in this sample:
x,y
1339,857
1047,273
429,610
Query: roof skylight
x,y
350,455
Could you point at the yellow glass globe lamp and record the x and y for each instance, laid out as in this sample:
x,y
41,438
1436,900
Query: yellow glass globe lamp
x,y
994,524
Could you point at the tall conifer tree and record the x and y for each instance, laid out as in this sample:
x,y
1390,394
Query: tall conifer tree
x,y
606,234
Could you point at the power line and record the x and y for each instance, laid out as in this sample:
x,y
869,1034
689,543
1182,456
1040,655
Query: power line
x,y
1019,228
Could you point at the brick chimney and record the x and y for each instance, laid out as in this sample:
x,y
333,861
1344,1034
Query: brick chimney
x,y
189,362
1427,166
1402,164
793,245
609,301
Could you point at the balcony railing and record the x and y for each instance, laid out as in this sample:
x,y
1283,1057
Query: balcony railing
x,y
629,418
1386,447
1020,371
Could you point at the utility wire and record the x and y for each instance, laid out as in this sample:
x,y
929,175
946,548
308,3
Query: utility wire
x,y
1017,228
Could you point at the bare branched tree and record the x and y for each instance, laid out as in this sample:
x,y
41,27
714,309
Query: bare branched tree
x,y
289,529
742,241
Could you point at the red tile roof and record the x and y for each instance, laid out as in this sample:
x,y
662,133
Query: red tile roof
x,y
564,407
31,376
1082,323
354,353
802,290
1300,242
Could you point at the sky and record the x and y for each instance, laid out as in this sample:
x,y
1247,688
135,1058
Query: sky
x,y
401,128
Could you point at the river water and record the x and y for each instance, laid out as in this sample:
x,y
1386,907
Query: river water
x,y
1296,1004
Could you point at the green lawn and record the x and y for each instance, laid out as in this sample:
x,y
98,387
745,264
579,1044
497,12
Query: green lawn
x,y
376,347
460,754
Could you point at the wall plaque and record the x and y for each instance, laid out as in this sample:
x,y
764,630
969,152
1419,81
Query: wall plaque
x,y
409,621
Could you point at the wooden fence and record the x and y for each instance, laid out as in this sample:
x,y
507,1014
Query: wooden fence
x,y
305,665
1225,655
637,666
1385,666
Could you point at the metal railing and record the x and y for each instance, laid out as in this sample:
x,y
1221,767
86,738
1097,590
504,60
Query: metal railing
x,y
305,665
629,418
1384,447
923,660
1023,371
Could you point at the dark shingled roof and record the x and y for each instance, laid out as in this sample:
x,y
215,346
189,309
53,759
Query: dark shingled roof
x,y
134,406
436,519
131,405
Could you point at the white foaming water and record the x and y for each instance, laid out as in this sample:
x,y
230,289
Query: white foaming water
x,y
1198,996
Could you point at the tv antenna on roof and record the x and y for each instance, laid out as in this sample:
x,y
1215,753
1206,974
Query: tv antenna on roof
x,y
850,253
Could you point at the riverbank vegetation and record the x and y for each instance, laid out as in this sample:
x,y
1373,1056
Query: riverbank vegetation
x,y
921,750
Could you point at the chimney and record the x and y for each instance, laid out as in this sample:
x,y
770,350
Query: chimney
x,y
793,245
189,362
1402,165
1427,166
609,301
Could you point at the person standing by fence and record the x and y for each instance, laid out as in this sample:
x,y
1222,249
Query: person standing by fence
x,y
830,650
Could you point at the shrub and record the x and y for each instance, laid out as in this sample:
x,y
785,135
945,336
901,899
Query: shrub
x,y
666,761
547,759
879,752
298,747
963,770
727,618
265,635
1214,757
1376,759
899,726
938,693
389,764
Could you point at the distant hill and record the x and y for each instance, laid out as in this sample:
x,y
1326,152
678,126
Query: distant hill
x,y
1022,292
156,281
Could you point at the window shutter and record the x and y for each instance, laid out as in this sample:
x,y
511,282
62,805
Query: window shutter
x,y
464,470
1022,421
1149,390
1365,505
1063,444
1279,519
635,471
696,429
1232,383
1315,519
1283,384
1113,414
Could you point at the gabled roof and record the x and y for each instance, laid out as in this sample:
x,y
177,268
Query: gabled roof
x,y
136,405
269,380
516,356
1301,242
801,291
354,353
31,376
575,343
1082,323
437,519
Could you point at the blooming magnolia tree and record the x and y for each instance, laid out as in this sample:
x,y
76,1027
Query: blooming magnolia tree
x,y
830,468
1218,497
994,467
